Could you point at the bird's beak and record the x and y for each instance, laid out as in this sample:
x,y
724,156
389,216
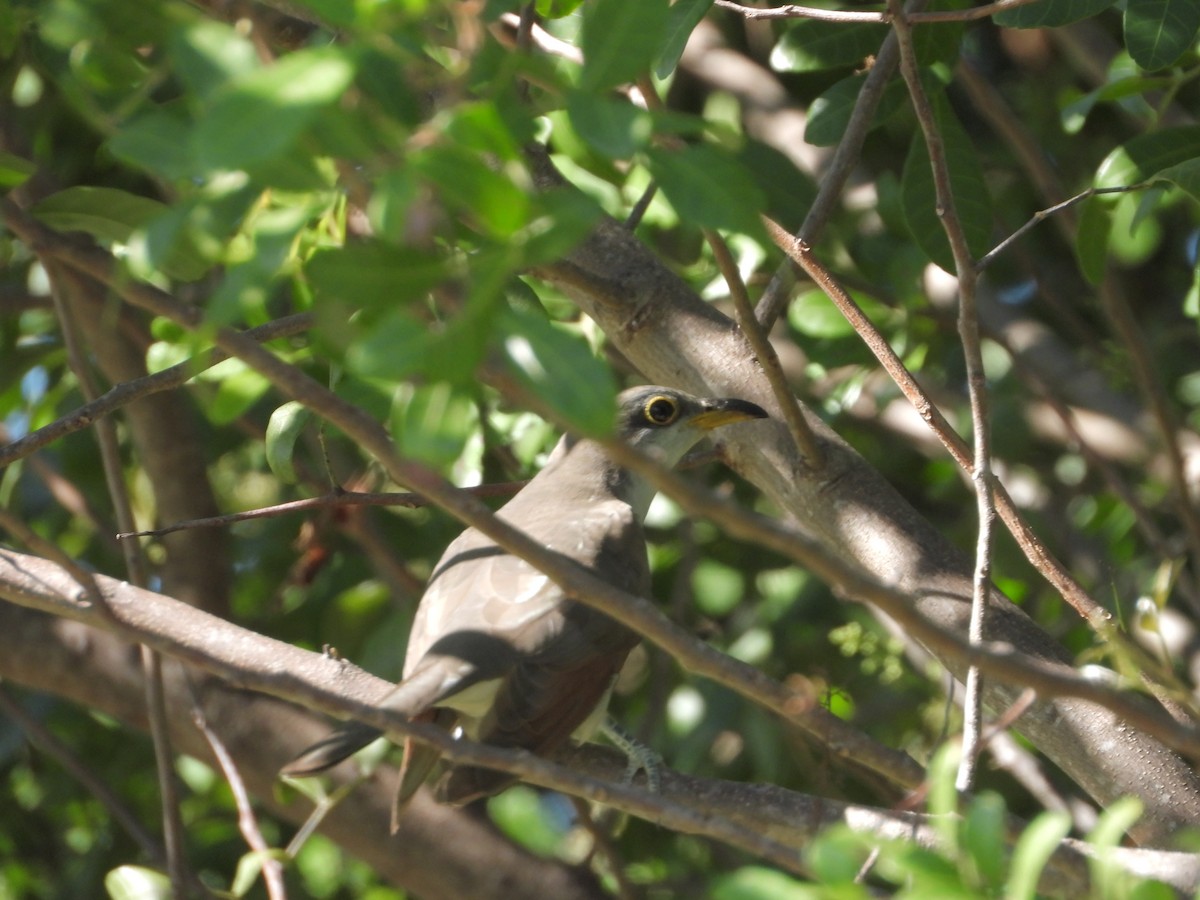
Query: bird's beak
x,y
725,412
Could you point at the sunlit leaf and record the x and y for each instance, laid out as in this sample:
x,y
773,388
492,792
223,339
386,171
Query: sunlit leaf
x,y
432,423
1184,175
561,368
283,430
812,46
1141,158
137,883
1034,848
257,116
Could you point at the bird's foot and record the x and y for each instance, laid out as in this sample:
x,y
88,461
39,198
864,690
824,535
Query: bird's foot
x,y
639,757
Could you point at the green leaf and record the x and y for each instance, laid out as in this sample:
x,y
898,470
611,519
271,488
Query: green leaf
x,y
708,187
250,866
257,116
238,388
1116,819
397,346
613,128
152,142
967,184
788,190
829,114
620,40
561,368
683,18
1140,159
836,857
562,217
813,46
1136,233
208,54
983,832
1050,13
557,9
940,42
717,588
372,273
760,883
283,430
105,213
1033,851
521,814
432,423
1184,175
1091,239
1158,32
137,883
14,170
487,197
813,314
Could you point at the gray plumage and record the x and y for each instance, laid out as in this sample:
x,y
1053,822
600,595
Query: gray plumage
x,y
496,647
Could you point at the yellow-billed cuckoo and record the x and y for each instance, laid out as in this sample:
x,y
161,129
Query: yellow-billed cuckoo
x,y
497,647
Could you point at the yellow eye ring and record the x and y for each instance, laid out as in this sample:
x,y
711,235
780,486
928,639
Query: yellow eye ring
x,y
660,410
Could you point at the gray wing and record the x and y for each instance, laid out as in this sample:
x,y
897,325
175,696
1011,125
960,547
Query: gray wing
x,y
497,641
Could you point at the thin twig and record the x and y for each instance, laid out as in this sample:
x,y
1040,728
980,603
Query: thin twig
x,y
837,172
272,869
334,499
1033,548
802,433
1042,214
794,11
88,592
638,211
968,331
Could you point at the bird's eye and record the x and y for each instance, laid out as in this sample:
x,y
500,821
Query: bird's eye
x,y
661,410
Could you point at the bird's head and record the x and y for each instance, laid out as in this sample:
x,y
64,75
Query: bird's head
x,y
667,423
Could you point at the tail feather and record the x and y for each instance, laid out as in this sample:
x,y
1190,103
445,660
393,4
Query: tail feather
x,y
438,678
331,750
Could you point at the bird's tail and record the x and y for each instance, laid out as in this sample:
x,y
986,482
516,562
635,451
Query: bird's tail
x,y
331,750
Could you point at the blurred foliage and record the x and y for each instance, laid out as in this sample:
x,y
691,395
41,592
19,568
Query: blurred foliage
x,y
368,167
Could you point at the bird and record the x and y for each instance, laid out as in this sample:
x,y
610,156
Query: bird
x,y
499,650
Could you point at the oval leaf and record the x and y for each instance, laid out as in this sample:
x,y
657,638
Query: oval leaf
x,y
283,430
106,213
1158,32
971,198
1142,158
561,368
257,116
620,40
707,187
